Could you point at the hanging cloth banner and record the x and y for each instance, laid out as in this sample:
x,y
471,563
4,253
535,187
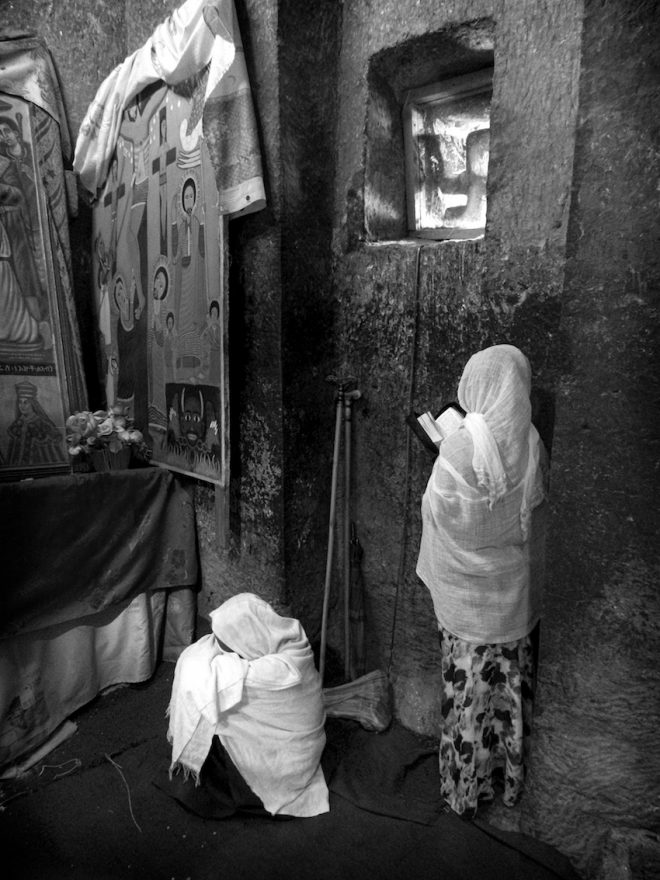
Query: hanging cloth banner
x,y
169,151
27,72
41,370
199,38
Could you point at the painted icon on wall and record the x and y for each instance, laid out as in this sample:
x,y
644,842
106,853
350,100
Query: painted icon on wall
x,y
159,240
447,149
34,331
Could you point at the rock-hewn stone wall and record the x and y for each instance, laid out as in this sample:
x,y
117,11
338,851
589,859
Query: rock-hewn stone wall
x,y
595,785
309,38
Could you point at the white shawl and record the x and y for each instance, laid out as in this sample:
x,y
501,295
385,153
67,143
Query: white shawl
x,y
481,553
197,34
253,682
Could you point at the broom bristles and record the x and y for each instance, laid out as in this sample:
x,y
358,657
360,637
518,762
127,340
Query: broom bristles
x,y
366,699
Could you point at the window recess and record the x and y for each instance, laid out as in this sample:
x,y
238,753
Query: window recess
x,y
446,131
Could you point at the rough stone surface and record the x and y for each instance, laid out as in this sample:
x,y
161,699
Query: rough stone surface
x,y
596,766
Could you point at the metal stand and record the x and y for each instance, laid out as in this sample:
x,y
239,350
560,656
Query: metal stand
x,y
347,392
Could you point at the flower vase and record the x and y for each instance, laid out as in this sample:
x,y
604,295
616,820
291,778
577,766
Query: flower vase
x,y
105,460
80,464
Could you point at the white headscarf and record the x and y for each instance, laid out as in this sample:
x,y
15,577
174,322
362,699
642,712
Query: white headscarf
x,y
494,392
250,627
254,684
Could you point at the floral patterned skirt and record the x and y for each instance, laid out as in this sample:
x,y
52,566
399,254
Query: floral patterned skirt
x,y
486,710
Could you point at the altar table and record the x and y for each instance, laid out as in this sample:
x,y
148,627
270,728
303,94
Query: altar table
x,y
98,584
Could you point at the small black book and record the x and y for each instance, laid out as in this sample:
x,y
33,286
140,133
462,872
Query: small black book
x,y
432,430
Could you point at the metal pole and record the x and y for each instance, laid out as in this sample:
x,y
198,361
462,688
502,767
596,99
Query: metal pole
x,y
349,397
331,532
347,535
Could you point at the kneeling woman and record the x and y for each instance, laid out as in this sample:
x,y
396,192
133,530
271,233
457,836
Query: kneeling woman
x,y
481,557
246,717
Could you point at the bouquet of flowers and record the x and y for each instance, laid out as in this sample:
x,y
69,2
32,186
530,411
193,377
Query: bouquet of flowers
x,y
109,431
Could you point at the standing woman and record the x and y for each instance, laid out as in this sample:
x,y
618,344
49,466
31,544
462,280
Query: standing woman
x,y
481,557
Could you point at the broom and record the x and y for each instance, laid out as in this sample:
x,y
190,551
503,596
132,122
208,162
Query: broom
x,y
363,698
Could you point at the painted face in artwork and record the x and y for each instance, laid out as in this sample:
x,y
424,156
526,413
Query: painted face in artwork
x,y
192,421
120,293
25,405
189,198
122,299
8,134
160,285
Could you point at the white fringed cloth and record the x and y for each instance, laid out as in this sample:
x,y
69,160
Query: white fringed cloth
x,y
201,36
253,683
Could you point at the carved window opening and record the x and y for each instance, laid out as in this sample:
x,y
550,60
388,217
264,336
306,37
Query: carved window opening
x,y
446,128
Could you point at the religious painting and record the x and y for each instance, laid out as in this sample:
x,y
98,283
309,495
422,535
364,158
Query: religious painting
x,y
158,236
35,394
447,149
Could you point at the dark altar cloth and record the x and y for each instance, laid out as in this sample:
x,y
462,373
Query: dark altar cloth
x,y
77,544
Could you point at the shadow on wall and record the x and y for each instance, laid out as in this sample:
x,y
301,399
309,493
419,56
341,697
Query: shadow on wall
x,y
543,415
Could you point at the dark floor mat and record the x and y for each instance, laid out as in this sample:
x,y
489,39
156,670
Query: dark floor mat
x,y
393,773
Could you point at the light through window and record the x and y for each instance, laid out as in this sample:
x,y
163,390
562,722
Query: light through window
x,y
447,148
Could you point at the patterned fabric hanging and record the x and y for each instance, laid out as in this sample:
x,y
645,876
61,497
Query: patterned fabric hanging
x,y
169,151
41,373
